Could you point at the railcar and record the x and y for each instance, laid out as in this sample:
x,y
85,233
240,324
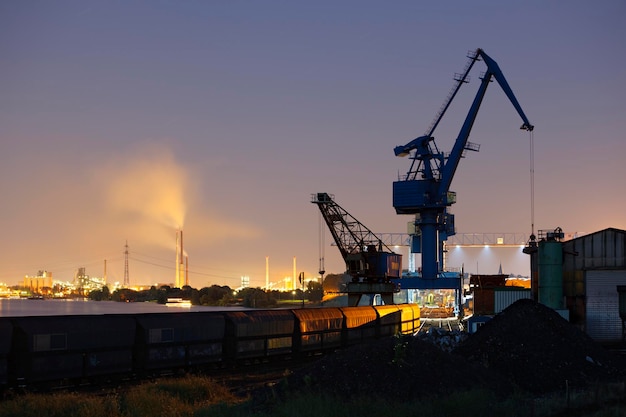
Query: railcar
x,y
359,324
409,318
6,339
58,348
171,341
258,333
318,329
53,349
389,318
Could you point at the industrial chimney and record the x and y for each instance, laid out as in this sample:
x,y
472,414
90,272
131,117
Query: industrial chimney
x,y
181,276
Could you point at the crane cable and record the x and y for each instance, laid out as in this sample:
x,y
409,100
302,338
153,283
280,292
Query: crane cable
x,y
532,183
321,244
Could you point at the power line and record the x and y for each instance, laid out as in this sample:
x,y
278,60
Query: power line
x,y
171,268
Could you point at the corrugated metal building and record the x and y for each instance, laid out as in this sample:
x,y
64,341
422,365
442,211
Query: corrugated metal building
x,y
593,266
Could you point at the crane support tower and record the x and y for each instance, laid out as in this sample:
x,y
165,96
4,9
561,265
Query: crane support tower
x,y
425,190
371,264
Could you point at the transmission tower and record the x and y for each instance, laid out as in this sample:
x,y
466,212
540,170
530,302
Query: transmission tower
x,y
126,276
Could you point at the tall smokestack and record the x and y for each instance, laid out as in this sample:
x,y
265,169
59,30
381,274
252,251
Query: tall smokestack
x,y
186,270
267,272
181,246
182,262
294,284
177,279
181,276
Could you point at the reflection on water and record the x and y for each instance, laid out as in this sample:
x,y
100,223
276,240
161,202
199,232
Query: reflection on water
x,y
12,307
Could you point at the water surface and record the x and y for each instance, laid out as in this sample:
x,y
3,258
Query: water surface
x,y
13,307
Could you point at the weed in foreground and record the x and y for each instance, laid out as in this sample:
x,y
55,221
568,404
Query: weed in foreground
x,y
59,405
168,397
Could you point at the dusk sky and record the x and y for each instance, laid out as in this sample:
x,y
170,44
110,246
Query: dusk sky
x,y
124,120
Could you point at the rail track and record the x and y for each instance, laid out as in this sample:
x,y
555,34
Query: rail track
x,y
447,323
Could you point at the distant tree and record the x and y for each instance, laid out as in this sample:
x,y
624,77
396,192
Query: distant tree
x,y
100,295
195,297
162,296
185,292
214,295
124,295
256,298
315,291
95,295
175,293
153,294
335,282
227,299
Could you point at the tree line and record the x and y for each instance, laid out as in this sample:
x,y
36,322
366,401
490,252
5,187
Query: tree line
x,y
215,295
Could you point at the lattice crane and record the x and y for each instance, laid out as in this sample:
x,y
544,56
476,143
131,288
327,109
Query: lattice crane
x,y
371,264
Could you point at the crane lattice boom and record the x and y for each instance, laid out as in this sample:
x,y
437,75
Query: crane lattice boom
x,y
367,258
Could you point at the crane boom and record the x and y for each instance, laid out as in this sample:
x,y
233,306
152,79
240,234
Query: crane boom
x,y
425,190
363,251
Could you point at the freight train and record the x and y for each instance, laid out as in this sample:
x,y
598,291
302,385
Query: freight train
x,y
55,350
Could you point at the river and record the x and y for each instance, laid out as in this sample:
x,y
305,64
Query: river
x,y
13,307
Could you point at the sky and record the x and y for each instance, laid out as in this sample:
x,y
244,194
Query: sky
x,y
122,121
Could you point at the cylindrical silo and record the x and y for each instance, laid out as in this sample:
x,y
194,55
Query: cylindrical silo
x,y
550,265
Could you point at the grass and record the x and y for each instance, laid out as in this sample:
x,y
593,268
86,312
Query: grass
x,y
472,403
197,396
169,397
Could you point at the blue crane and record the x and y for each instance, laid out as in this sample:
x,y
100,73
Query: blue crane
x,y
425,190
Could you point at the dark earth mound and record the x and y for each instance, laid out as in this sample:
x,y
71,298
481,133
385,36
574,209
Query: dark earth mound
x,y
396,368
528,346
538,350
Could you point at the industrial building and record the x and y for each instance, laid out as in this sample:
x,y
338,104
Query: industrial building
x,y
37,283
594,265
579,278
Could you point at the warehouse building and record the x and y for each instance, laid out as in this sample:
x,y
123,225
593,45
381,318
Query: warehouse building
x,y
594,265
579,278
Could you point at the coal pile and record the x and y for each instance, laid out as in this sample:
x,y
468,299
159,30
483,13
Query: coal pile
x,y
534,347
397,368
528,346
443,339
